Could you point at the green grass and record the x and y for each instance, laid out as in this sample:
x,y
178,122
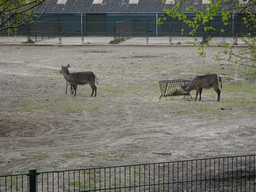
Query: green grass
x,y
56,71
234,96
25,102
90,107
44,103
112,89
250,74
106,156
94,155
144,87
203,111
241,102
38,157
30,105
240,87
46,107
2,99
72,155
85,185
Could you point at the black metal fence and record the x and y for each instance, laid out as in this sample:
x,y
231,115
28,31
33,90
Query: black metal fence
x,y
235,173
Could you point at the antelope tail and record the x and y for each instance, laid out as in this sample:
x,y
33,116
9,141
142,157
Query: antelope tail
x,y
219,81
97,80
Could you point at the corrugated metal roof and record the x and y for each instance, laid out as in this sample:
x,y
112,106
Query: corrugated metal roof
x,y
112,6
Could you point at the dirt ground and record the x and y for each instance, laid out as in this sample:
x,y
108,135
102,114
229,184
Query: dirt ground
x,y
42,127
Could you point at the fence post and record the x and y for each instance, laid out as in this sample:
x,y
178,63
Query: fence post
x,y
82,29
170,33
115,31
42,31
147,32
32,180
59,32
28,33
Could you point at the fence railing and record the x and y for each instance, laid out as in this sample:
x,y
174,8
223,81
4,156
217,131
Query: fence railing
x,y
235,173
37,31
126,27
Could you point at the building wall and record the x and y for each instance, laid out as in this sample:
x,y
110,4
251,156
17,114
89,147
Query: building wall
x,y
142,24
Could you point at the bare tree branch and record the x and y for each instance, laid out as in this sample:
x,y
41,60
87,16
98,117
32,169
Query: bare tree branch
x,y
17,13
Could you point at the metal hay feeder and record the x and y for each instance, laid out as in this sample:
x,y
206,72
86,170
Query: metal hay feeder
x,y
173,88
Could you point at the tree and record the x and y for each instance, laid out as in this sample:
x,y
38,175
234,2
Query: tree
x,y
227,9
14,13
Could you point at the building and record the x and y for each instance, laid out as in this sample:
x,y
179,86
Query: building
x,y
99,17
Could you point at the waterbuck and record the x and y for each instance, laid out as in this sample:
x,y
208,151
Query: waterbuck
x,y
79,78
206,82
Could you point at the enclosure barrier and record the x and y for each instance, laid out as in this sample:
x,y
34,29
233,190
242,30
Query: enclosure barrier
x,y
235,173
173,88
46,29
122,29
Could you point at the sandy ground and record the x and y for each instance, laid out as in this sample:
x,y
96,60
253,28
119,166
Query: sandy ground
x,y
42,127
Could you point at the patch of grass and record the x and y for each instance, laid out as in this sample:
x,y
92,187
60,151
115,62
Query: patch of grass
x,y
2,99
203,110
211,109
84,185
112,89
72,155
61,97
56,71
41,157
29,105
38,157
10,160
206,112
184,112
46,107
93,155
240,101
90,107
210,72
29,41
144,86
54,103
250,74
107,156
122,155
25,102
240,87
116,41
235,95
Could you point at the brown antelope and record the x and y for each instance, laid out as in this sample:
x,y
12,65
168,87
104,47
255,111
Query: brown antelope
x,y
206,82
79,78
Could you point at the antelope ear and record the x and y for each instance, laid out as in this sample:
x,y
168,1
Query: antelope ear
x,y
68,66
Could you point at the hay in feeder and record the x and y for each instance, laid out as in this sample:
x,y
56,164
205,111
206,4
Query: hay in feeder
x,y
173,88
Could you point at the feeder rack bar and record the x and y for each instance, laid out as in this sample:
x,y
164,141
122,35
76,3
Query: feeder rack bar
x,y
173,88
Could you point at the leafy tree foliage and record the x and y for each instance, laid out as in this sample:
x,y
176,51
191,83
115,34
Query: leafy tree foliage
x,y
14,13
225,8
